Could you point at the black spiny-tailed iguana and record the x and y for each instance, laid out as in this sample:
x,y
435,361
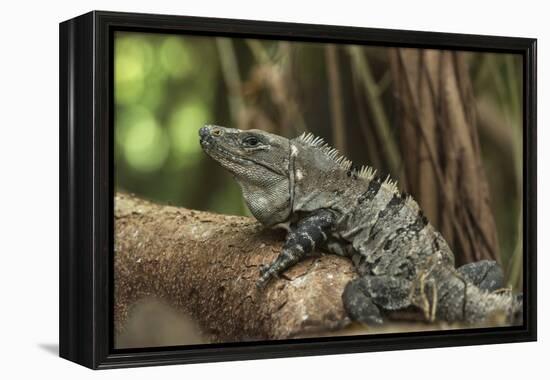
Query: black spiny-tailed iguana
x,y
307,187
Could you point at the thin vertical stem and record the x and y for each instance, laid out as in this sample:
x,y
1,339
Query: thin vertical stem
x,y
335,98
380,118
230,71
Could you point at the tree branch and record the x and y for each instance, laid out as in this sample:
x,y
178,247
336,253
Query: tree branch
x,y
206,265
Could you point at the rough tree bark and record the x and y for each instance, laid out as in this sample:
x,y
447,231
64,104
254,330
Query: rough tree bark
x,y
441,150
206,265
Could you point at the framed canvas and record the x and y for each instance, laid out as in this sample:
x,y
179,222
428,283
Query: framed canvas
x,y
235,189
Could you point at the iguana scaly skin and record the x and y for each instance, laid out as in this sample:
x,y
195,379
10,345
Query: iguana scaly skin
x,y
308,188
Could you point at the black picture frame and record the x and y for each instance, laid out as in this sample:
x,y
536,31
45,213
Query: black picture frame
x,y
86,189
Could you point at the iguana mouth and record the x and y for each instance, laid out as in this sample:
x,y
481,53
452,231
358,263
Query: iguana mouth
x,y
219,153
209,146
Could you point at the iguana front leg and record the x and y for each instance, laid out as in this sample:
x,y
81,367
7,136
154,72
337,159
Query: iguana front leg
x,y
303,237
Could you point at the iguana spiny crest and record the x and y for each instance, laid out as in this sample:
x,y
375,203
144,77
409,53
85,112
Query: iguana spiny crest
x,y
308,187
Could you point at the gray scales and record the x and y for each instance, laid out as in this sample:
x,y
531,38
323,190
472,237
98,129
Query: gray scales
x,y
308,188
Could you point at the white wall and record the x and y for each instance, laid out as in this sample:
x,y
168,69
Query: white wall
x,y
29,190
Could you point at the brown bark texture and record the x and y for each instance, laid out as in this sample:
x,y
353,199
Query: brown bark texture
x,y
206,265
441,150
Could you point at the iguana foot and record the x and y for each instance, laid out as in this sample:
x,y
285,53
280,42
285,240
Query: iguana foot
x,y
265,276
485,274
358,304
365,295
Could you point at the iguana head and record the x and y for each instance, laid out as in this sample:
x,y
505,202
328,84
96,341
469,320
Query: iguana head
x,y
259,161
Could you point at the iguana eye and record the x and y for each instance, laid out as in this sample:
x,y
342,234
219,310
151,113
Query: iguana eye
x,y
251,141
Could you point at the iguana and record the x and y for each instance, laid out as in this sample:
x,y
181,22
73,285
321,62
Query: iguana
x,y
308,188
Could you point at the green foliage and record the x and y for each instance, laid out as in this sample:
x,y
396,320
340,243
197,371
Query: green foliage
x,y
165,90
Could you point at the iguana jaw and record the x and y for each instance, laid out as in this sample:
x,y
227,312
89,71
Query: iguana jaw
x,y
225,157
259,162
225,145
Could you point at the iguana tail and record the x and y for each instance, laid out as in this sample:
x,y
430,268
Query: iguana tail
x,y
471,294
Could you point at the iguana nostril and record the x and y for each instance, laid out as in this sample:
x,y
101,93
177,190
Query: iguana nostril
x,y
203,132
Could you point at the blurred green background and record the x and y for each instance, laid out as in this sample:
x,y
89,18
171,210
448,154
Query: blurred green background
x,y
165,90
168,86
